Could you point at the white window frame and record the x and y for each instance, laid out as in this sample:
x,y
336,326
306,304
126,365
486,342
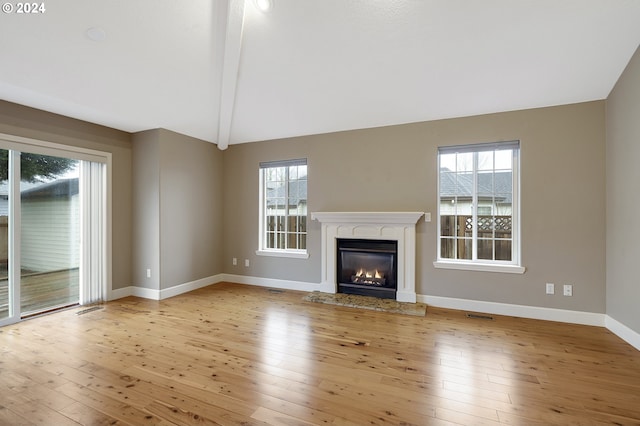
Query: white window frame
x,y
263,250
474,264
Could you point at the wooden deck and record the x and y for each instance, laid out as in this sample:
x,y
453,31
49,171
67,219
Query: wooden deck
x,y
43,291
240,355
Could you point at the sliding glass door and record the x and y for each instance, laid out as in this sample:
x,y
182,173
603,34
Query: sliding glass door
x,y
50,233
53,221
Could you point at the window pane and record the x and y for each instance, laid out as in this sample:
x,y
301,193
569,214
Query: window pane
x,y
504,159
465,226
448,162
447,225
485,226
448,186
465,248
503,226
50,232
464,185
464,207
447,248
503,249
485,160
485,249
292,240
504,182
503,205
447,207
293,172
302,172
485,185
464,162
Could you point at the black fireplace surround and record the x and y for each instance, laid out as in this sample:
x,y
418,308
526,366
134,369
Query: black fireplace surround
x,y
367,267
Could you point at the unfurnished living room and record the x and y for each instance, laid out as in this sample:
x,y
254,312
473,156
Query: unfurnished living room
x,y
305,212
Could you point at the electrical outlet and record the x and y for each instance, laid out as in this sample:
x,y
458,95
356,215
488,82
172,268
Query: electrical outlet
x,y
235,261
148,273
568,290
427,217
246,263
551,288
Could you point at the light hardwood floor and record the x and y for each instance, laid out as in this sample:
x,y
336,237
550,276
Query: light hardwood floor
x,y
241,355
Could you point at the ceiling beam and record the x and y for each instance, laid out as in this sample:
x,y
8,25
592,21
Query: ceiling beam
x,y
230,67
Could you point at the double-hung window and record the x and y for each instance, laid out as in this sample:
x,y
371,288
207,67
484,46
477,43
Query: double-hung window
x,y
283,208
478,207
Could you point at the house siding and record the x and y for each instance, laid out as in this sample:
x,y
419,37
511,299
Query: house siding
x,y
51,234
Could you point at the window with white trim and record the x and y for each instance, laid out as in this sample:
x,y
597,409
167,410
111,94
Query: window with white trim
x,y
478,207
283,208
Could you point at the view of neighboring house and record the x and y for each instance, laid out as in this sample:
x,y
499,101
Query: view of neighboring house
x,y
453,184
494,213
50,225
287,204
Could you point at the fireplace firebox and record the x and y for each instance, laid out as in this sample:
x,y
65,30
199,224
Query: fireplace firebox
x,y
367,267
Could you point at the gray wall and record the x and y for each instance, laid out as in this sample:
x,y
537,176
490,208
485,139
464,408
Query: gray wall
x,y
176,209
32,123
146,209
623,199
192,193
190,216
394,169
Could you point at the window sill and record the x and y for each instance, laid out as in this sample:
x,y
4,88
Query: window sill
x,y
482,267
298,254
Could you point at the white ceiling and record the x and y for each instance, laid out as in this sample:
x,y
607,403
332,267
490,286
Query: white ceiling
x,y
227,73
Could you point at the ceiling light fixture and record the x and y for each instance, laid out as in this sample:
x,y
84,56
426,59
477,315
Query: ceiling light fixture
x,y
264,5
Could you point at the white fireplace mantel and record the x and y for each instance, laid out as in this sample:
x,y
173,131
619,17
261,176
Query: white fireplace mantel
x,y
398,226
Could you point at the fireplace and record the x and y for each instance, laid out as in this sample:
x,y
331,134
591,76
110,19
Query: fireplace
x,y
399,227
367,267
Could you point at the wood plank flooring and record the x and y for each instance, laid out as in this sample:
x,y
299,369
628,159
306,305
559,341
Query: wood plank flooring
x,y
239,355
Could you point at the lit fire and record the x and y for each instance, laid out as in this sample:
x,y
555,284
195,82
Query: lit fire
x,y
369,277
368,274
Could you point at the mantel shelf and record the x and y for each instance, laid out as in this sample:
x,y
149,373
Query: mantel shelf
x,y
407,218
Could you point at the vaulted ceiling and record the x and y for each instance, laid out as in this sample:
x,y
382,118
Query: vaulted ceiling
x,y
228,73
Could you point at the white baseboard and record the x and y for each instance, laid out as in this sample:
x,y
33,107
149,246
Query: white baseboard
x,y
119,293
274,283
623,332
522,311
190,286
153,294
